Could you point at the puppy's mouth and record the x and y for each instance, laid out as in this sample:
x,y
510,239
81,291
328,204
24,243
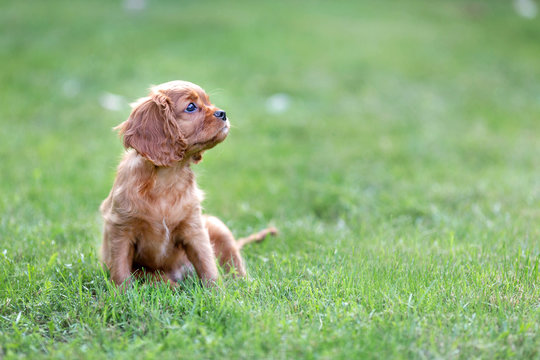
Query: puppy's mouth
x,y
216,139
221,134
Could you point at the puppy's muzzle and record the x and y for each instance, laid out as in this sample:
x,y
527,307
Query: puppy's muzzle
x,y
221,115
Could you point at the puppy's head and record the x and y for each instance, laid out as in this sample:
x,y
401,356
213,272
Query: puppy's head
x,y
175,122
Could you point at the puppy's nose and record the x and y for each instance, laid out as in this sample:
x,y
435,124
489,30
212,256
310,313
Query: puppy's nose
x,y
221,115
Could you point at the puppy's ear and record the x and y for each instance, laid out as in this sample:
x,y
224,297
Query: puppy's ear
x,y
152,130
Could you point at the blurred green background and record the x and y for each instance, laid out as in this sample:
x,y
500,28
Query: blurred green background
x,y
402,136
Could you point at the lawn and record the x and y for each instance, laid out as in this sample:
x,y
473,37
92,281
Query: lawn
x,y
402,167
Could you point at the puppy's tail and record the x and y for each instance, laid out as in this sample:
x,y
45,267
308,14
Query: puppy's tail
x,y
257,237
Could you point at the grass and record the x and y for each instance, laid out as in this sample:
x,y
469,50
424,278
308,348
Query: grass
x,y
404,178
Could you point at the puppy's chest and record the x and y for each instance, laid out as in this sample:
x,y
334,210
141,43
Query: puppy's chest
x,y
156,245
172,207
157,241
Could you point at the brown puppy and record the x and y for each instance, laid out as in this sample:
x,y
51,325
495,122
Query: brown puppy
x,y
153,222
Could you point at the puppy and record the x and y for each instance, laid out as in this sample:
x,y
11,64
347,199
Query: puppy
x,y
153,226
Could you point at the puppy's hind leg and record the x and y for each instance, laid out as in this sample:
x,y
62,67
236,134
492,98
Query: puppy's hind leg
x,y
227,250
225,247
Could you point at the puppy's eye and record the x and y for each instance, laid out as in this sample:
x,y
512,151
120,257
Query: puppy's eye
x,y
191,108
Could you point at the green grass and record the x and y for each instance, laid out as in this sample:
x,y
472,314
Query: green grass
x,y
404,177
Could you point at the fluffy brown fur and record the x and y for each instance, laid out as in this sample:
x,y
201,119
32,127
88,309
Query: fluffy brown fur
x,y
153,226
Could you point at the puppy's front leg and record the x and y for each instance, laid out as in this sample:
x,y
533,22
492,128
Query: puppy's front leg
x,y
199,251
119,258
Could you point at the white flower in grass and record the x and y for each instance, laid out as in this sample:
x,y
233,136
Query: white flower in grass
x,y
526,8
278,103
112,102
134,5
